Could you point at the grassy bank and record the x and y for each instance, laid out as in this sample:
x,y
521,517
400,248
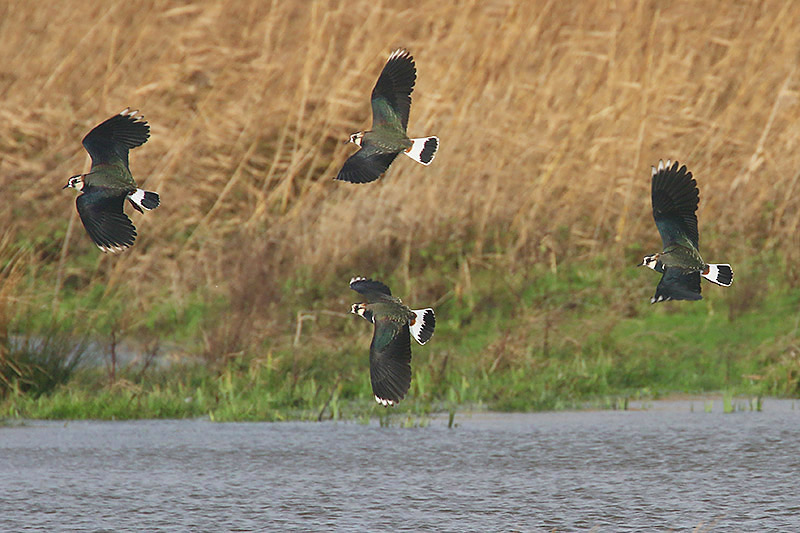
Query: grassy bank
x,y
526,341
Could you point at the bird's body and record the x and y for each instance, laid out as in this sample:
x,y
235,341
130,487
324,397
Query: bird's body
x,y
682,255
675,199
390,350
110,182
391,105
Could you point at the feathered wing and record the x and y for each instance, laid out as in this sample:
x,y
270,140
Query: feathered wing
x,y
391,97
112,139
366,165
677,284
675,198
390,361
370,289
105,222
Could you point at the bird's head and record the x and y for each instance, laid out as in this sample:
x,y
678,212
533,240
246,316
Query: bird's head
x,y
362,311
649,261
76,182
356,138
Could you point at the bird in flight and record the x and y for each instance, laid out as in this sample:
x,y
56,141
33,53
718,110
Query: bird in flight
x,y
109,182
390,350
675,198
391,104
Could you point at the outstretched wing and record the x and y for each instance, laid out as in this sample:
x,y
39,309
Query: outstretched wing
x,y
366,165
677,284
675,199
390,361
373,291
102,216
110,141
391,97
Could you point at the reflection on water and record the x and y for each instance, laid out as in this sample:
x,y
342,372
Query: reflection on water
x,y
672,465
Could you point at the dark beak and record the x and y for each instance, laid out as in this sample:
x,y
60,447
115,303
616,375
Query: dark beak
x,y
346,141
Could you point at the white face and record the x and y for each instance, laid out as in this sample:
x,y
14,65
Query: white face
x,y
650,261
76,182
356,138
361,310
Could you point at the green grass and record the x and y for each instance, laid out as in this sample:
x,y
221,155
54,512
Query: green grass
x,y
530,340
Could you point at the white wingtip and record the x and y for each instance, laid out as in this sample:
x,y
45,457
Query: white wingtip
x,y
661,166
355,279
384,402
398,53
112,249
127,112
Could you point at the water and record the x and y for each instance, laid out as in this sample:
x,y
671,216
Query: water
x,y
666,467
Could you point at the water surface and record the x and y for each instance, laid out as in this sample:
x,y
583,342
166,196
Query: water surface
x,y
670,466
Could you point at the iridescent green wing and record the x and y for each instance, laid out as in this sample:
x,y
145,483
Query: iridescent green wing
x,y
366,165
109,142
390,360
102,216
675,198
677,284
391,97
373,291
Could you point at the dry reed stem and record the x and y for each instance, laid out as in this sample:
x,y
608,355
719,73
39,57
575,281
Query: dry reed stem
x,y
549,114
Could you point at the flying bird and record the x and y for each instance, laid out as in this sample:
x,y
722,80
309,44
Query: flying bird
x,y
390,351
675,198
109,182
391,104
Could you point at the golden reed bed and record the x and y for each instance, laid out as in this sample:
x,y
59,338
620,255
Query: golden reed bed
x,y
549,114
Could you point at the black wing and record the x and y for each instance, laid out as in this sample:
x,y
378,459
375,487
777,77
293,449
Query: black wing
x,y
113,138
372,290
390,361
365,165
102,216
675,199
391,97
677,284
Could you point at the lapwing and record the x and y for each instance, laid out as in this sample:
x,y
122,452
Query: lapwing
x,y
109,182
675,198
390,351
391,104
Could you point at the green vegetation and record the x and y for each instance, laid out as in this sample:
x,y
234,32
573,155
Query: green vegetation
x,y
526,341
522,234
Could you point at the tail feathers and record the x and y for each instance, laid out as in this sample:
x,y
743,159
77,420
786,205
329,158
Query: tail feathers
x,y
423,324
423,150
720,274
142,199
